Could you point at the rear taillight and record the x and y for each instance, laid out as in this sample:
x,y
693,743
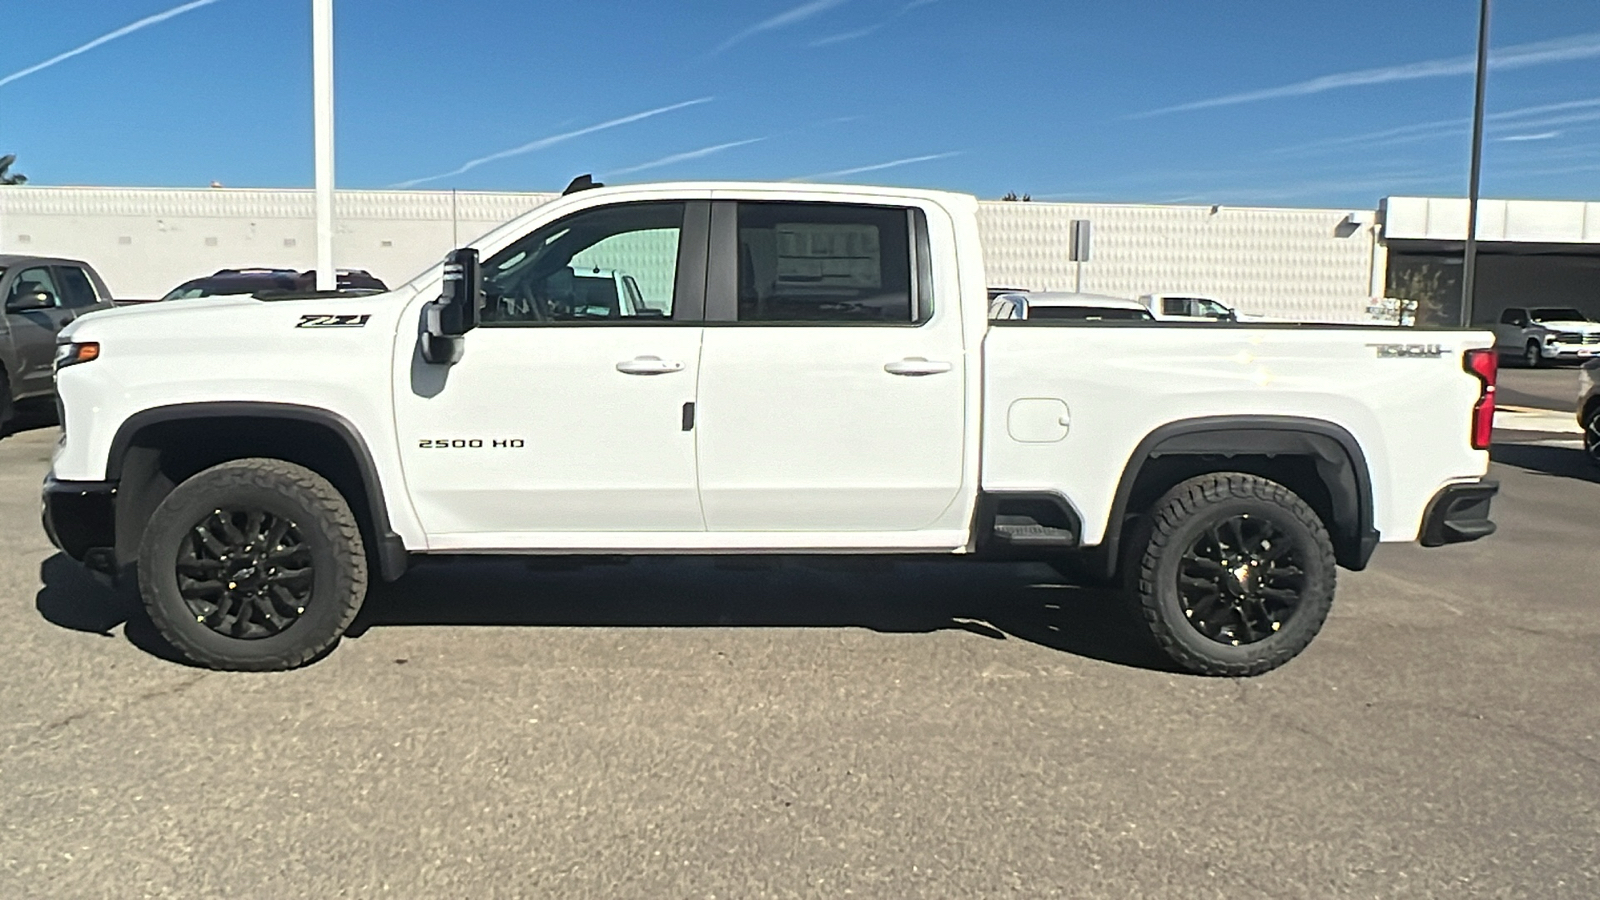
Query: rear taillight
x,y
1486,365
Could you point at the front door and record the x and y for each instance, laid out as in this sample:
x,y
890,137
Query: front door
x,y
36,312
569,410
832,392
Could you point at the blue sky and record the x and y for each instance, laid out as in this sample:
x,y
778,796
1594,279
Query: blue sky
x,y
1249,102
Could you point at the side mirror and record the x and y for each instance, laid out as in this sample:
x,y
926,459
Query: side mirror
x,y
31,300
447,319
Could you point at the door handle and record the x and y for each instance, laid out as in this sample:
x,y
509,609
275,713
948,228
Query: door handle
x,y
916,365
648,365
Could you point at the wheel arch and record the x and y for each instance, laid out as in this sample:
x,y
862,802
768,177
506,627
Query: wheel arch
x,y
1320,461
157,448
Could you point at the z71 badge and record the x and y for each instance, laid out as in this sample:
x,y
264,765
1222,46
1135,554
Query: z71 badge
x,y
333,321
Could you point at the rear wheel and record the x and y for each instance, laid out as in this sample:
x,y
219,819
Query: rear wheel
x,y
1237,575
8,405
1531,357
254,564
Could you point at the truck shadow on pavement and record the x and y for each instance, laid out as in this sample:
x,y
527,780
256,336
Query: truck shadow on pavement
x,y
999,601
1560,462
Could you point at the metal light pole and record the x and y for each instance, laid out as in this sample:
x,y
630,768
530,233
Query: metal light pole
x,y
322,103
1469,259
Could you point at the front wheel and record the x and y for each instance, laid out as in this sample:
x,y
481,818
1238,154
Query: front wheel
x,y
1531,355
253,565
1237,576
1591,435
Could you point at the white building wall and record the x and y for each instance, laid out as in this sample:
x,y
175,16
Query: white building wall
x,y
1311,264
1297,263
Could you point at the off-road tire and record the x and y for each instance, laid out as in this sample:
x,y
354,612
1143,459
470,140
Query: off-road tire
x,y
1181,517
8,406
1591,434
323,522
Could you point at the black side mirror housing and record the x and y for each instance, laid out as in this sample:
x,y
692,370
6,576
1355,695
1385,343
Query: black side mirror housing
x,y
30,301
456,312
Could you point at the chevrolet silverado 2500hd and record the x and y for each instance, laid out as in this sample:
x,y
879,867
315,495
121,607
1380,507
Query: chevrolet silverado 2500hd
x,y
818,375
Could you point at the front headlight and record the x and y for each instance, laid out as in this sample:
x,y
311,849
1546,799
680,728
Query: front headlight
x,y
70,354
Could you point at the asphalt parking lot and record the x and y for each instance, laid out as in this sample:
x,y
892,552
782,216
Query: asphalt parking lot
x,y
783,728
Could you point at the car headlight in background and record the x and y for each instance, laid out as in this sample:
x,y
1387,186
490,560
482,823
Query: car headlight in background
x,y
71,354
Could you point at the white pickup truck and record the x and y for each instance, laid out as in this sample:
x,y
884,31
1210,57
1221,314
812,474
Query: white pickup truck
x,y
822,377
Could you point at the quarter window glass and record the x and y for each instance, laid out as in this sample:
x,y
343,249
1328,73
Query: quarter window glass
x,y
612,265
32,282
1174,306
76,289
805,263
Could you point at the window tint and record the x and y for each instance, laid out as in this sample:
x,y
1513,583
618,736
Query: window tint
x,y
1558,314
1511,317
615,264
76,289
34,281
824,262
1088,313
1174,306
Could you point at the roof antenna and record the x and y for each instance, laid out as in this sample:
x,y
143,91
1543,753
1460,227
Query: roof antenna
x,y
581,183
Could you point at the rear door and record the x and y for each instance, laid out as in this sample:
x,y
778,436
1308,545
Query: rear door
x,y
79,294
33,331
832,388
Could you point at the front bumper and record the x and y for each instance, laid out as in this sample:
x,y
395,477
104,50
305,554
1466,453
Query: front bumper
x,y
1458,513
80,519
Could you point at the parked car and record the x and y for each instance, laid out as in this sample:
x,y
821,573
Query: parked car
x,y
42,294
1188,308
1069,306
250,281
823,379
1543,334
1589,408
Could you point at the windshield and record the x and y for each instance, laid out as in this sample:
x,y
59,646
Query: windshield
x,y
1559,314
1088,313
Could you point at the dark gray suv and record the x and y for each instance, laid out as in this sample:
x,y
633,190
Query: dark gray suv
x,y
42,294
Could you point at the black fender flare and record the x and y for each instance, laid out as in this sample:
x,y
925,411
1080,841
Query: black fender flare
x,y
1337,454
390,550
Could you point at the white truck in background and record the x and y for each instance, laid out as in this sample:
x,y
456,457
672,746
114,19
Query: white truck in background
x,y
822,377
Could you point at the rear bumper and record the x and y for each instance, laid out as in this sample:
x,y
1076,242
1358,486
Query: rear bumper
x,y
1459,513
80,519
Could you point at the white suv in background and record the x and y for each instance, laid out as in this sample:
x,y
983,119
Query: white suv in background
x,y
1547,333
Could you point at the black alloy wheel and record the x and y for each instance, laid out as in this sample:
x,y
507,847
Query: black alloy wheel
x,y
253,565
245,573
1241,580
1233,574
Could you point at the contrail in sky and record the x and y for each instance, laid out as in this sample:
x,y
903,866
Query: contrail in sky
x,y
1581,46
879,166
552,140
680,157
124,31
789,17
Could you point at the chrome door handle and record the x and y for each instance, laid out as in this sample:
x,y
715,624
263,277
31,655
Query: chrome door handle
x,y
916,365
648,365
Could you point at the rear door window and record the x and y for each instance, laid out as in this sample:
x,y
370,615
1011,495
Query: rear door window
x,y
821,263
77,291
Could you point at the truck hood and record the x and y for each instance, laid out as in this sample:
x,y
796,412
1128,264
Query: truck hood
x,y
213,315
1561,325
